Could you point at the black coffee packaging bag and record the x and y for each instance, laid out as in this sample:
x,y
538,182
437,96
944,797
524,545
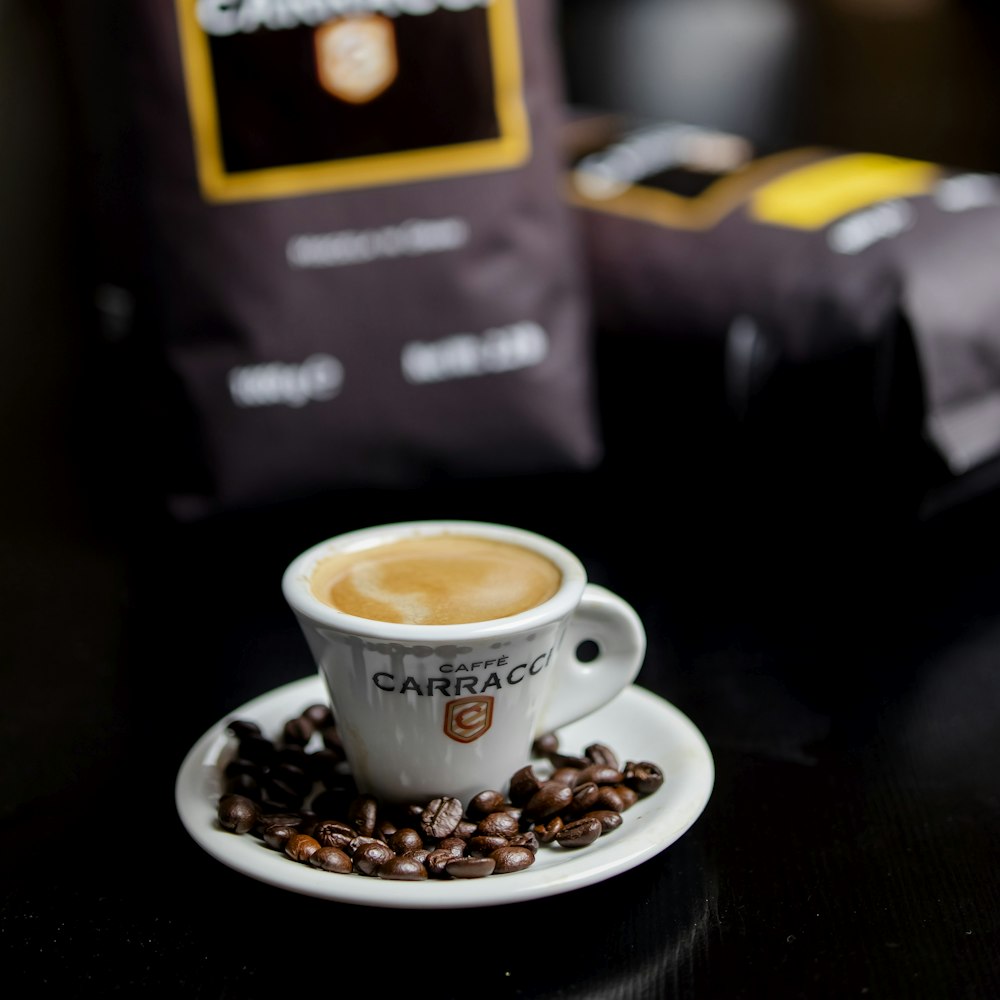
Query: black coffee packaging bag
x,y
847,299
329,243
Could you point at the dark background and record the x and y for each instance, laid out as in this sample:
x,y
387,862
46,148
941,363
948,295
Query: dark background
x,y
838,649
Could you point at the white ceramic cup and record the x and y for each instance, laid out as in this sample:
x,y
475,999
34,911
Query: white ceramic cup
x,y
428,710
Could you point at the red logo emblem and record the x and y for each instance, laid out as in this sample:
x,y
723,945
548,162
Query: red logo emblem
x,y
466,719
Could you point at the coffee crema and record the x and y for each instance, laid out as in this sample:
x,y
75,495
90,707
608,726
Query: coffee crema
x,y
436,580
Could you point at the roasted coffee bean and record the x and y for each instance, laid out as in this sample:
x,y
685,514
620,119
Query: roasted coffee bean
x,y
298,732
470,867
643,776
277,834
600,753
566,775
580,832
300,846
406,839
584,797
295,755
480,846
370,856
512,810
550,799
547,743
601,774
384,829
331,859
291,777
331,738
363,814
608,819
360,842
441,817
523,785
567,760
437,860
465,829
293,819
244,784
420,854
240,765
629,796
320,716
237,813
243,727
258,748
547,832
334,833
498,824
486,802
403,868
527,839
456,845
609,798
511,858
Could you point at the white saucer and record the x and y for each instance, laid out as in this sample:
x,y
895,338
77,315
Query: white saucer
x,y
637,725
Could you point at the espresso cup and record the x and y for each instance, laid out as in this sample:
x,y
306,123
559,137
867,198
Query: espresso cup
x,y
447,647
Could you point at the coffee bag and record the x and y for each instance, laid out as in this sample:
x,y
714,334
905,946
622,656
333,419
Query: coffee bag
x,y
329,243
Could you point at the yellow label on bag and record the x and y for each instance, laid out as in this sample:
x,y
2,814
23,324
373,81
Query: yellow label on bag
x,y
292,99
815,195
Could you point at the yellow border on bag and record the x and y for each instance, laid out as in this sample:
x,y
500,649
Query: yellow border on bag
x,y
510,149
702,211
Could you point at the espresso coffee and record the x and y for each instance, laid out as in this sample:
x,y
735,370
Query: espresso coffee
x,y
436,580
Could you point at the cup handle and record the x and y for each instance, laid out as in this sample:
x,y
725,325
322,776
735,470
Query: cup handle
x,y
579,687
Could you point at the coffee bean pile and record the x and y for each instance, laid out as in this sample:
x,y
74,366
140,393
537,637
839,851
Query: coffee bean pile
x,y
303,802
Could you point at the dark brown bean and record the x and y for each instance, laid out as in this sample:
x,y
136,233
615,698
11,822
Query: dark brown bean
x,y
402,869
512,859
545,744
470,867
481,846
601,774
331,859
584,798
601,753
643,776
550,799
237,813
441,816
524,783
300,846
406,839
320,716
629,796
334,833
277,834
609,798
370,856
580,833
527,839
547,832
608,819
456,845
363,814
437,861
498,824
486,802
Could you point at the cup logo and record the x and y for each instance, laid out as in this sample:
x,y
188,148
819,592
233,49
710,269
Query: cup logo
x,y
356,57
466,719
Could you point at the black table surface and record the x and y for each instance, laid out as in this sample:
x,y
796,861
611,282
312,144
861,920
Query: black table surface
x,y
845,676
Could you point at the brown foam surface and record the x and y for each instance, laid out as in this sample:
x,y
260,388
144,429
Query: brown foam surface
x,y
438,580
